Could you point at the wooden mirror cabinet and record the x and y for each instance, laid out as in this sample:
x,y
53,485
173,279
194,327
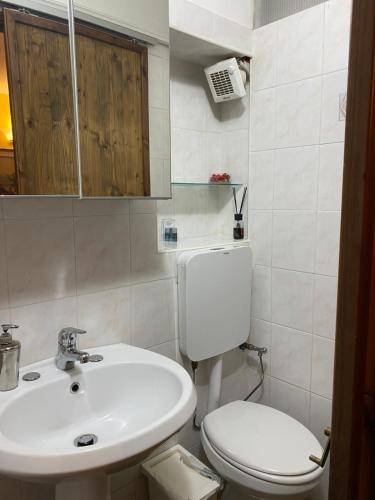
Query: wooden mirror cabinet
x,y
38,137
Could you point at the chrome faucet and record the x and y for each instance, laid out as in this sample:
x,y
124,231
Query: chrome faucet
x,y
67,352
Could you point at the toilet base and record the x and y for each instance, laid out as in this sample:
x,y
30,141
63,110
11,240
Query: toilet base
x,y
237,492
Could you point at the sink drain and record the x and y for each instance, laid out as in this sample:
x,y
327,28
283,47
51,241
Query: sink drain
x,y
85,440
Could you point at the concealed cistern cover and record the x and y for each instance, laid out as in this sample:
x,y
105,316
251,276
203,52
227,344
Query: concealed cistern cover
x,y
214,297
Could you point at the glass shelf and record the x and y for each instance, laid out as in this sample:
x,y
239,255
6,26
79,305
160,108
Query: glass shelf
x,y
211,184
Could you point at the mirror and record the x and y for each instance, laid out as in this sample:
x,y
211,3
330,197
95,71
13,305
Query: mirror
x,y
122,61
122,145
37,139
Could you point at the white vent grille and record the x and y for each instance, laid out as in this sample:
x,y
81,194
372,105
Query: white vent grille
x,y
222,83
225,80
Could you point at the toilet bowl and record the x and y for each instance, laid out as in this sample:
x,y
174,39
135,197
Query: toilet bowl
x,y
261,449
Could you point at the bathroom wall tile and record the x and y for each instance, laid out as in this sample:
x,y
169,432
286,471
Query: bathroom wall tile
x,y
263,64
332,128
292,299
336,34
330,176
320,416
146,263
128,492
235,114
291,400
262,116
3,269
293,240
261,179
296,177
300,45
261,293
260,236
298,113
260,335
1,209
325,302
159,126
291,356
38,208
36,491
263,394
188,156
39,327
10,489
190,211
236,155
143,206
327,244
103,252
168,349
100,207
152,306
40,260
158,73
105,316
189,100
322,367
214,158
160,177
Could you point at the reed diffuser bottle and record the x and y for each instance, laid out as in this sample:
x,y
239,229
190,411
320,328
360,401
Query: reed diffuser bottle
x,y
238,227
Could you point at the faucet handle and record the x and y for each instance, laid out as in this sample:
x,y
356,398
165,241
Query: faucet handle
x,y
8,326
68,336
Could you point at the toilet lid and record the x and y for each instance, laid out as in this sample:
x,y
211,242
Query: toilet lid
x,y
262,439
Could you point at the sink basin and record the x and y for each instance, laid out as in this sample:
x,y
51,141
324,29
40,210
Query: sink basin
x,y
131,401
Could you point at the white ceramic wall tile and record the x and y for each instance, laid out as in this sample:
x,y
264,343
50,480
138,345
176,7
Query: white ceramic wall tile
x,y
158,71
332,128
260,236
234,115
189,101
40,260
236,155
322,367
260,335
330,176
263,64
105,316
3,269
298,113
320,416
159,133
39,208
39,327
291,400
214,158
292,299
168,349
325,302
262,118
153,320
188,156
300,46
103,252
4,316
146,263
293,240
291,356
261,179
100,207
261,293
143,206
296,176
327,243
336,39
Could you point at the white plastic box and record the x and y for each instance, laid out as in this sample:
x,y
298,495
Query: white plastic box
x,y
170,478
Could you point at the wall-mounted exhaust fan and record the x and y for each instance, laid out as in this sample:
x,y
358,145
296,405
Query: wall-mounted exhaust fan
x,y
226,80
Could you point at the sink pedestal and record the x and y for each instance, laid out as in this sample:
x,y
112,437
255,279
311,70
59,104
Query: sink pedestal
x,y
85,488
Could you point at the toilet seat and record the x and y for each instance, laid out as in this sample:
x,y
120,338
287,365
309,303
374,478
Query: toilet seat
x,y
261,448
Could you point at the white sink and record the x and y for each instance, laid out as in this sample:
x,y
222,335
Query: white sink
x,y
131,401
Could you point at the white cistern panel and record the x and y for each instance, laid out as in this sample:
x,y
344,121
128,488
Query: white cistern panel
x,y
214,296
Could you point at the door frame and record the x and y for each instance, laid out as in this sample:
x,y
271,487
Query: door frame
x,y
353,445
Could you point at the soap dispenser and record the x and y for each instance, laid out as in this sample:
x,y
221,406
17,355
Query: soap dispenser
x,y
9,359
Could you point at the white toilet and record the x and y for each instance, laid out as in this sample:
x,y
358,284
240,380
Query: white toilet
x,y
262,451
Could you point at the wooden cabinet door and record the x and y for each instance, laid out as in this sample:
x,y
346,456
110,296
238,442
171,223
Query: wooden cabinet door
x,y
40,86
113,114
